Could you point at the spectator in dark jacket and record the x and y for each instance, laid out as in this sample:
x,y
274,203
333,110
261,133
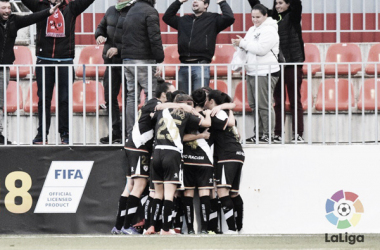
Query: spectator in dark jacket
x,y
288,14
9,25
141,44
197,38
106,33
55,45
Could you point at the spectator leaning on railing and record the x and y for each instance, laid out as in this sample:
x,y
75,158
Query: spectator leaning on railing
x,y
9,25
197,38
106,33
55,45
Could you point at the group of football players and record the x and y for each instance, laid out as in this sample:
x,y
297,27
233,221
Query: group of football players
x,y
180,144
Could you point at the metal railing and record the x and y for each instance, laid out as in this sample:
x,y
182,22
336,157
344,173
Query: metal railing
x,y
317,18
322,125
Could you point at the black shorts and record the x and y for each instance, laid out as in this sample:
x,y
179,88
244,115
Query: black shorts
x,y
228,174
138,162
166,166
198,176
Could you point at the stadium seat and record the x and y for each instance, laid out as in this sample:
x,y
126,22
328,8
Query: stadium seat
x,y
238,98
312,55
373,57
220,84
369,95
23,56
223,55
34,105
343,53
12,97
91,105
91,54
171,57
303,97
330,93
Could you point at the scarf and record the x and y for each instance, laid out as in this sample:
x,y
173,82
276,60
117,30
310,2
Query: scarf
x,y
55,26
122,5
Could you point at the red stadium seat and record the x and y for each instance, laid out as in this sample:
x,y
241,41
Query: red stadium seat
x,y
171,57
220,84
223,55
142,99
303,97
369,95
91,105
343,53
12,97
23,56
373,57
312,55
91,54
330,93
238,98
35,98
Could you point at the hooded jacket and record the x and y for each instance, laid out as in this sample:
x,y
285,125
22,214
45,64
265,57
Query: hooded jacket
x,y
262,47
197,35
57,47
8,33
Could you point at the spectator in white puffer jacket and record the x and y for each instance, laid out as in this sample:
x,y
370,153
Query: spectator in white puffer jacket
x,y
261,44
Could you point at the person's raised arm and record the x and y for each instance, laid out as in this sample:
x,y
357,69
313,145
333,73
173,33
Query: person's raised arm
x,y
231,119
23,21
227,18
206,122
192,137
78,6
295,10
170,17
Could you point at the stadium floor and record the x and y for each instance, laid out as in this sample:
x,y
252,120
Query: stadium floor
x,y
101,242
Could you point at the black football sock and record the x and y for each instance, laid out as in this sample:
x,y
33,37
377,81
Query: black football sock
x,y
178,206
228,210
132,205
147,212
156,213
205,211
121,212
167,215
189,212
239,211
213,218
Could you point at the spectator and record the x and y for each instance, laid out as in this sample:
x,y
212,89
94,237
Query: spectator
x,y
55,45
197,38
288,14
261,43
9,25
141,44
105,33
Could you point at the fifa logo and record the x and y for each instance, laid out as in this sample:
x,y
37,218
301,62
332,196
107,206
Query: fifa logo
x,y
68,174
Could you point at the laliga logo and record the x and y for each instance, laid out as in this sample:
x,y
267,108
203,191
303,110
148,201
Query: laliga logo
x,y
344,209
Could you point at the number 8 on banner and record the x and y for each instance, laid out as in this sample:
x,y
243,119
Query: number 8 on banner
x,y
10,184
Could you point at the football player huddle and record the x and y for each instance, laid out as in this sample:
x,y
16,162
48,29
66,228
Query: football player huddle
x,y
180,144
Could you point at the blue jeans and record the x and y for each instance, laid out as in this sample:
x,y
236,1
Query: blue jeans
x,y
196,77
142,83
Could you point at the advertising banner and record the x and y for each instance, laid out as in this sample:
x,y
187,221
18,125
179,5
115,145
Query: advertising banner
x,y
61,190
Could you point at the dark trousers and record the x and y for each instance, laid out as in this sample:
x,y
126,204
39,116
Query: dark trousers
x,y
116,79
289,85
63,93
